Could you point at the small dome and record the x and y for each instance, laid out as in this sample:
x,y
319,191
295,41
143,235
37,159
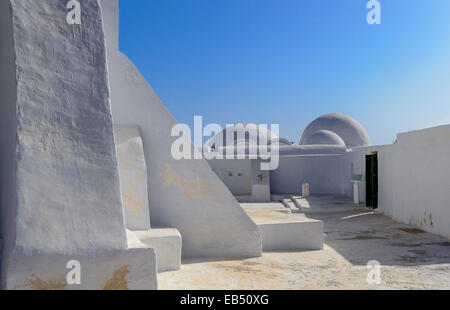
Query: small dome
x,y
244,142
324,137
251,133
280,141
347,128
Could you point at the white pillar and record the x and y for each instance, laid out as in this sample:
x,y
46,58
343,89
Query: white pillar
x,y
305,190
356,193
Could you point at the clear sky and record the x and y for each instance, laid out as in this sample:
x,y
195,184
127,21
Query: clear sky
x,y
290,61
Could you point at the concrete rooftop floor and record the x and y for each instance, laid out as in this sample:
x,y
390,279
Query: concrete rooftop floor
x,y
410,259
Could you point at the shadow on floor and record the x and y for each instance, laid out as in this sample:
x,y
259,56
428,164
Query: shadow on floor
x,y
361,236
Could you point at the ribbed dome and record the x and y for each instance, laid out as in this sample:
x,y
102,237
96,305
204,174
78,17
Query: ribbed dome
x,y
347,128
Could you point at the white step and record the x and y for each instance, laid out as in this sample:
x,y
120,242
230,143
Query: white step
x,y
167,243
282,230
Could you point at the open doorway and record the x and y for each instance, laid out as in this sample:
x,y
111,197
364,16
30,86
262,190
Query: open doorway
x,y
372,180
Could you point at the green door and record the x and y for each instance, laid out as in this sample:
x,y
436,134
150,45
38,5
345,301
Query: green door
x,y
372,181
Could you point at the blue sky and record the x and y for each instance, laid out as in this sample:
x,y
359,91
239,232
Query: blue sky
x,y
290,61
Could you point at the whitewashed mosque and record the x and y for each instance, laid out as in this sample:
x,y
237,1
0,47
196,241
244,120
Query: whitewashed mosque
x,y
87,177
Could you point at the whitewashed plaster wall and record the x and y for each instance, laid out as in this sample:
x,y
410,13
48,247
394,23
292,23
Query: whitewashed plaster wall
x,y
8,140
419,188
354,162
133,177
185,194
320,165
387,179
322,172
235,174
60,191
413,178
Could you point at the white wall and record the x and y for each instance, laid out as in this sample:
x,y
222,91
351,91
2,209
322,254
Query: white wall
x,y
66,158
235,173
133,177
322,172
354,162
419,171
387,179
8,97
413,178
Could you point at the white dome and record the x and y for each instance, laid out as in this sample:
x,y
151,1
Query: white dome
x,y
250,133
280,141
347,128
324,137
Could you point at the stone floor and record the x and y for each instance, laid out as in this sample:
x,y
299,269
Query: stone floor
x,y
409,258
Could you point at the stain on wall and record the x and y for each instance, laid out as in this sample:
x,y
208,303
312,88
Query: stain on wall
x,y
170,177
119,279
131,201
36,283
197,188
